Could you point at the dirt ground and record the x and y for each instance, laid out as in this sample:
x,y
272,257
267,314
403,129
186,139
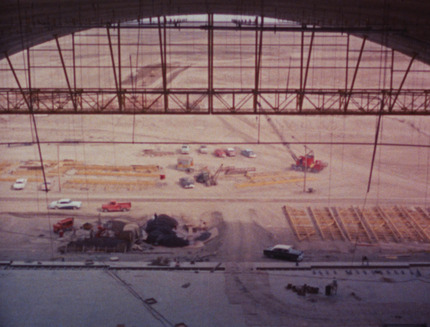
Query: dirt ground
x,y
247,217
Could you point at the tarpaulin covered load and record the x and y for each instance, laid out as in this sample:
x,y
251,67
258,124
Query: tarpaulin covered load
x,y
161,230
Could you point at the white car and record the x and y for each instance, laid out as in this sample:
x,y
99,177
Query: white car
x,y
203,149
230,152
19,184
185,149
65,204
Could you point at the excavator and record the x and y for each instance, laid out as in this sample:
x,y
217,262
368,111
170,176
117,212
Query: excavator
x,y
206,178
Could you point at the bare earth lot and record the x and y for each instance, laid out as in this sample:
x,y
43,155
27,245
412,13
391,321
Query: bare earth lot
x,y
244,217
248,217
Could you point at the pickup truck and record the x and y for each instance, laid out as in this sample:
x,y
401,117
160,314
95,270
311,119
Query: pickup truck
x,y
116,206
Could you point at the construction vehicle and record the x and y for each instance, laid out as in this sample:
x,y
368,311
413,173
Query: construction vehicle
x,y
206,178
307,162
302,163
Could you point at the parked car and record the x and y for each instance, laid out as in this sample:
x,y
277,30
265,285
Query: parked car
x,y
284,252
186,182
220,153
46,186
19,184
64,225
116,206
185,149
230,152
249,153
203,149
65,204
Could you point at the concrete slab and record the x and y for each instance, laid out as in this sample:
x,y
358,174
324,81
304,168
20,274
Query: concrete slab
x,y
241,295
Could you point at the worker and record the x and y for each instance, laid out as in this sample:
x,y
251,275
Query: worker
x,y
334,286
364,260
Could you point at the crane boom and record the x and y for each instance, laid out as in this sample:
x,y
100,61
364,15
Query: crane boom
x,y
287,145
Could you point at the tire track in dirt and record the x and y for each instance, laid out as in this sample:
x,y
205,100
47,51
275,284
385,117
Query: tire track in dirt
x,y
411,125
154,77
238,131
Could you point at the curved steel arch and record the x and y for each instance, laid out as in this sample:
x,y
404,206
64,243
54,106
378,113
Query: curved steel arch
x,y
403,24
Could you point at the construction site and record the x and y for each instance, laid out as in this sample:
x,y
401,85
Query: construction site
x,y
149,162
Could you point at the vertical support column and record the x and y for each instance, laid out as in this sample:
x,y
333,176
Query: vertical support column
x,y
72,96
390,109
78,99
355,75
114,69
347,63
163,57
303,87
391,78
343,98
372,164
302,44
120,93
30,91
29,103
258,55
74,73
18,83
210,62
74,61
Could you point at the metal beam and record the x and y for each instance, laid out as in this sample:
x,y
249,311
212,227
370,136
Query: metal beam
x,y
402,82
72,95
210,62
163,57
258,55
121,100
302,44
74,61
355,74
235,101
21,90
30,108
118,91
274,27
303,87
378,127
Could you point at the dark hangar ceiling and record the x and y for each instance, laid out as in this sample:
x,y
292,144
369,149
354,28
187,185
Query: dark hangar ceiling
x,y
404,24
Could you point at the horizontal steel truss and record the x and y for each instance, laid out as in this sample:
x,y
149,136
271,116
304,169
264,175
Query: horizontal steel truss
x,y
217,101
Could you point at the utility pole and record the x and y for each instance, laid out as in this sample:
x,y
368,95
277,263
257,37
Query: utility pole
x,y
58,167
306,168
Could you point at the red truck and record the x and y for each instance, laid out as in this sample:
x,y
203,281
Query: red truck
x,y
116,206
63,225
